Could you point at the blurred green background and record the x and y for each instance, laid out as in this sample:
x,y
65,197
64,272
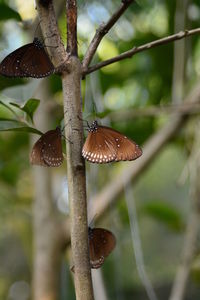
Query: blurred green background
x,y
161,195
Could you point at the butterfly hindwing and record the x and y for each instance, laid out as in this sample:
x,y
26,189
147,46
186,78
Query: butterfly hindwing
x,y
126,148
101,244
47,151
35,157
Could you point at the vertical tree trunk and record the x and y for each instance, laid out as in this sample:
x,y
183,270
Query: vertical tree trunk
x,y
47,234
71,80
179,53
75,162
76,181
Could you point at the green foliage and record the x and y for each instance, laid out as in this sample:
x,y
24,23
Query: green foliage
x,y
7,13
29,107
14,125
141,81
164,213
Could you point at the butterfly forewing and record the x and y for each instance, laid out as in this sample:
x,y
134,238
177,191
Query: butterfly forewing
x,y
36,157
10,66
101,244
30,60
98,149
105,144
47,151
36,63
126,148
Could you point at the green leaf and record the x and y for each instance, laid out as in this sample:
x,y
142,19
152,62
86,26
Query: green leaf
x,y
165,213
29,107
14,125
8,107
7,12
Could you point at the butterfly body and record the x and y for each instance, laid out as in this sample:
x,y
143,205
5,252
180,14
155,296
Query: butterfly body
x,y
47,151
101,244
30,60
104,145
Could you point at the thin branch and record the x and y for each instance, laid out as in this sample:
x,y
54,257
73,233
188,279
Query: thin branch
x,y
102,31
134,50
72,27
153,111
133,170
48,24
189,247
136,242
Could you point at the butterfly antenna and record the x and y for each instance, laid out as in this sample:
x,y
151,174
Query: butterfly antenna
x,y
37,28
64,135
88,125
92,220
94,110
66,139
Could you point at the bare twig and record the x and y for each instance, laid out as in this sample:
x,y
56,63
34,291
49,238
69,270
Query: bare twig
x,y
180,284
102,31
185,108
134,50
136,242
51,33
72,27
179,55
132,171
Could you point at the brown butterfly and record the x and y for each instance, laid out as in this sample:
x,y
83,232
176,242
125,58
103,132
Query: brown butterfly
x,y
101,244
30,60
47,151
104,144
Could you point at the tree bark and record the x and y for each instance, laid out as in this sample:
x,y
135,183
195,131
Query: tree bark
x,y
179,53
48,233
76,181
75,162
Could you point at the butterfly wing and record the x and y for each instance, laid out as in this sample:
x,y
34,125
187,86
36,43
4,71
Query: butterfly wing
x,y
10,66
126,148
36,157
36,63
30,60
105,145
47,151
97,148
101,244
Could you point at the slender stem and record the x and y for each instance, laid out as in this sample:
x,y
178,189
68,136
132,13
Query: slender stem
x,y
76,182
189,246
71,27
154,111
102,31
136,242
51,33
75,162
134,50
